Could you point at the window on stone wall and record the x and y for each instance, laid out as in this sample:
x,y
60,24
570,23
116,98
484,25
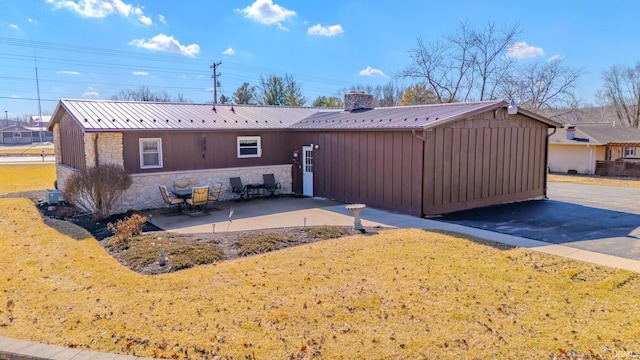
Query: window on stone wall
x,y
249,146
150,153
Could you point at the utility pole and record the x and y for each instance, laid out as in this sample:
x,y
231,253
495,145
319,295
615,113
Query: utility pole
x,y
39,107
6,116
215,75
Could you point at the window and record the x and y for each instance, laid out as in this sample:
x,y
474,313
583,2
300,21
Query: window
x,y
150,153
17,134
629,152
249,146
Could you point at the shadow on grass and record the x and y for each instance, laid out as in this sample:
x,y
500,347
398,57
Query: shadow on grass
x,y
477,240
71,230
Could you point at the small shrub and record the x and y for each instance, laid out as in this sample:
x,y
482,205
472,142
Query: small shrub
x,y
97,188
260,243
126,228
327,232
572,171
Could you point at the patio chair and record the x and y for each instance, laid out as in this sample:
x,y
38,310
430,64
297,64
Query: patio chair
x,y
214,193
199,197
181,185
168,200
270,184
238,188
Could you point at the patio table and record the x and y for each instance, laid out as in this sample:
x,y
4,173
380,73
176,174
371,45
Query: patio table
x,y
184,194
254,190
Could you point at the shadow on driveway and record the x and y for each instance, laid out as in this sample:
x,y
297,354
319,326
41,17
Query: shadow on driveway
x,y
588,228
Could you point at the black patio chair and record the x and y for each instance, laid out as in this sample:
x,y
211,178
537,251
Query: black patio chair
x,y
238,188
270,184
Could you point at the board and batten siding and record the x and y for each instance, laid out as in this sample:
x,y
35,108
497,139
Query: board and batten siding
x,y
381,169
198,150
479,162
71,143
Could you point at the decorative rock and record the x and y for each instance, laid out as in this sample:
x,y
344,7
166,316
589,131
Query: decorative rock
x,y
51,208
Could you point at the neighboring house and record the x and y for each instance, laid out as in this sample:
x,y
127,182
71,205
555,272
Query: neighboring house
x,y
592,148
35,121
15,135
419,160
38,128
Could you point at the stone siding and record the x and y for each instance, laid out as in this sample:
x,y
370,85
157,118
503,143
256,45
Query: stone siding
x,y
56,143
109,148
144,193
62,174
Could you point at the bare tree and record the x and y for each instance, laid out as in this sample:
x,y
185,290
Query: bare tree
x,y
468,64
544,86
621,89
144,93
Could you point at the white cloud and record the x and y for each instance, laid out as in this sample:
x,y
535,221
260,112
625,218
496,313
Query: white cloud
x,y
14,26
229,51
101,9
267,13
162,19
140,73
369,71
67,72
522,50
14,97
91,93
556,58
31,21
162,42
329,31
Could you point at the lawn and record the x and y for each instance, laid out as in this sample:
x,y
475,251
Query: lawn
x,y
594,180
14,178
398,294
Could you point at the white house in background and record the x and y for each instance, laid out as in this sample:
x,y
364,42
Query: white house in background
x,y
35,121
589,147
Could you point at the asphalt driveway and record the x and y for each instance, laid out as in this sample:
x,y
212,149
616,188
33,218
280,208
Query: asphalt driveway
x,y
603,219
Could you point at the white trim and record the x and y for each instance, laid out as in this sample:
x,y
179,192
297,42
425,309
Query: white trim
x,y
19,133
258,146
141,153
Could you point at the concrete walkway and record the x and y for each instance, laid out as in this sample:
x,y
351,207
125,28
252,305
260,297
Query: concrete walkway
x,y
288,211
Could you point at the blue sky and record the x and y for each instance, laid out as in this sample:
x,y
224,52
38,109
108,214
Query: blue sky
x,y
93,48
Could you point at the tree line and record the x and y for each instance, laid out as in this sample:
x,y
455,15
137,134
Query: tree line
x,y
470,63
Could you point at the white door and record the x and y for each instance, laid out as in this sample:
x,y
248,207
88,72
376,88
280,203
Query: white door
x,y
307,171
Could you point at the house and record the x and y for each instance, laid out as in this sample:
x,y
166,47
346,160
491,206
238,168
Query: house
x,y
37,121
593,148
16,135
419,160
38,127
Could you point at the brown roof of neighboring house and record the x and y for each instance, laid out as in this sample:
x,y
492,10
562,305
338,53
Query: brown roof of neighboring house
x,y
105,115
597,134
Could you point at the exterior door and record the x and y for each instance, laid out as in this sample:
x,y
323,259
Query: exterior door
x,y
307,171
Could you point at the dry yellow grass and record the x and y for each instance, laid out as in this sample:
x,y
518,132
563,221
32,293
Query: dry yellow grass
x,y
25,151
594,180
398,294
14,178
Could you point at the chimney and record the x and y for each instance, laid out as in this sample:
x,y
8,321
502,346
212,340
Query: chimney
x,y
358,100
571,132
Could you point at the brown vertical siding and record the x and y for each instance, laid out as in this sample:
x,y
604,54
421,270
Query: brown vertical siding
x,y
183,150
380,169
71,143
494,161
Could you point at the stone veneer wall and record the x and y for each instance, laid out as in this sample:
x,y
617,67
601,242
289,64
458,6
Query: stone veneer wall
x,y
144,193
109,148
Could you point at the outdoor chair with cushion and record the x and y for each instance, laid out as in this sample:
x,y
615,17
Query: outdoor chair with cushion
x,y
199,197
214,193
181,185
270,184
238,188
168,200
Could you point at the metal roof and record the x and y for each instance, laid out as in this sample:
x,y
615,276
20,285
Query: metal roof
x,y
104,115
401,117
597,134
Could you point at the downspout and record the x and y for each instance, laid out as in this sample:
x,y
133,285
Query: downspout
x,y
546,161
95,149
424,140
590,159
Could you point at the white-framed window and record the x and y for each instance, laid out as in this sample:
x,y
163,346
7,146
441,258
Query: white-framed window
x,y
17,134
150,153
249,146
629,151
